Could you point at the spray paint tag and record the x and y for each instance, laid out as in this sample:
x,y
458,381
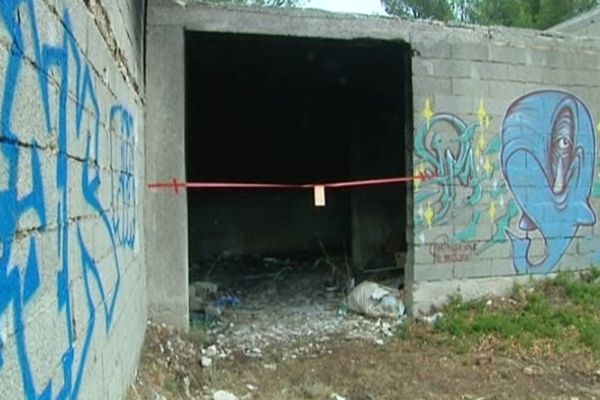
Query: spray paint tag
x,y
319,192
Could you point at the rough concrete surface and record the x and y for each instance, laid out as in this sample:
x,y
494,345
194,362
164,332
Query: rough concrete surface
x,y
72,274
504,125
496,204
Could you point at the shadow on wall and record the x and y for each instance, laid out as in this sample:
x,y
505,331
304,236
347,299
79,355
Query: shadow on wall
x,y
546,153
51,184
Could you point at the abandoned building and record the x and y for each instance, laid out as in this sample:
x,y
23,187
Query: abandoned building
x,y
145,146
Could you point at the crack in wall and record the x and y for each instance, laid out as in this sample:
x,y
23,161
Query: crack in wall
x,y
102,21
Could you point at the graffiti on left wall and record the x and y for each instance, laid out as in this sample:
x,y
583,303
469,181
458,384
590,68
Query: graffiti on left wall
x,y
64,186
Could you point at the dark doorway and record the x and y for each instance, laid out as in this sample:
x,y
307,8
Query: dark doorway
x,y
274,109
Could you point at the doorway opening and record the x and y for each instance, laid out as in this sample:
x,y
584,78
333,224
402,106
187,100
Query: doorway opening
x,y
291,110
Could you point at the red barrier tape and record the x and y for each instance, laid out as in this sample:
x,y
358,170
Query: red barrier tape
x,y
175,184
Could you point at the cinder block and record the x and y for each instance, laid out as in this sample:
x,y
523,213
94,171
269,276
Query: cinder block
x,y
576,262
431,85
455,104
491,71
508,54
470,87
553,57
422,67
470,51
506,89
503,267
474,268
434,272
27,121
526,74
12,382
452,68
581,60
431,44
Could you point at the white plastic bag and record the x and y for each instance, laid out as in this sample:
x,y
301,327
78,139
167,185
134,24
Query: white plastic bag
x,y
377,301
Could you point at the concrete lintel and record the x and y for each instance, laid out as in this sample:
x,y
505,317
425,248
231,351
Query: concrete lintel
x,y
316,23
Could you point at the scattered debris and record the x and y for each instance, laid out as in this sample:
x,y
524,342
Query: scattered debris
x,y
224,395
532,370
228,301
186,386
272,367
304,332
206,361
166,349
374,300
211,351
433,318
201,294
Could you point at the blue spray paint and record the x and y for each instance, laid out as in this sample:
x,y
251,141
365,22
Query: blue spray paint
x,y
451,170
548,158
124,189
17,290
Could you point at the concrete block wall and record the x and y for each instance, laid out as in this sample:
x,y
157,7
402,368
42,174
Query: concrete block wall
x,y
586,24
505,125
72,270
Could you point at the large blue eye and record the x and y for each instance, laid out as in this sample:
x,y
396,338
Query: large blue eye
x,y
562,134
563,143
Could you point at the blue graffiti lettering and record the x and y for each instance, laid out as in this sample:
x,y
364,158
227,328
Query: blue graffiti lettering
x,y
18,289
124,190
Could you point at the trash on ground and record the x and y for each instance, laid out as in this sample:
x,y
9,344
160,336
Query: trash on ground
x,y
202,293
206,362
432,319
228,301
377,301
224,395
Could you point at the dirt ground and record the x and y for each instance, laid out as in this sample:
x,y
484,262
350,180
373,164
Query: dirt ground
x,y
361,370
290,339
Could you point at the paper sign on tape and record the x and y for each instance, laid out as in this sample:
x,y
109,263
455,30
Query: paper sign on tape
x,y
319,191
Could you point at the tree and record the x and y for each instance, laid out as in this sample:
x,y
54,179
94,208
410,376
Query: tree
x,y
539,14
421,9
263,3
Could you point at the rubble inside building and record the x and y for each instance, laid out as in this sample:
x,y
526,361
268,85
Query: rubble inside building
x,y
295,305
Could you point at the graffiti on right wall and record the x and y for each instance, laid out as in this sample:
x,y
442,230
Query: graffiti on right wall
x,y
533,179
548,156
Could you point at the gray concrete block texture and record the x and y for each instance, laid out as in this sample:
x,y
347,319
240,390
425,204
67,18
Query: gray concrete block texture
x,y
165,217
72,270
506,90
504,120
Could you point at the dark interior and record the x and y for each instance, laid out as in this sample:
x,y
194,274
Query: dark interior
x,y
272,109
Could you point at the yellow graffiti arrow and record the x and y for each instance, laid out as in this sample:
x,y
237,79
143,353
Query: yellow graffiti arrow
x,y
420,172
487,166
481,141
429,214
427,111
482,114
480,145
492,211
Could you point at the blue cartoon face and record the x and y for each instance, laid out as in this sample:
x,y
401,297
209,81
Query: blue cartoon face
x,y
548,157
